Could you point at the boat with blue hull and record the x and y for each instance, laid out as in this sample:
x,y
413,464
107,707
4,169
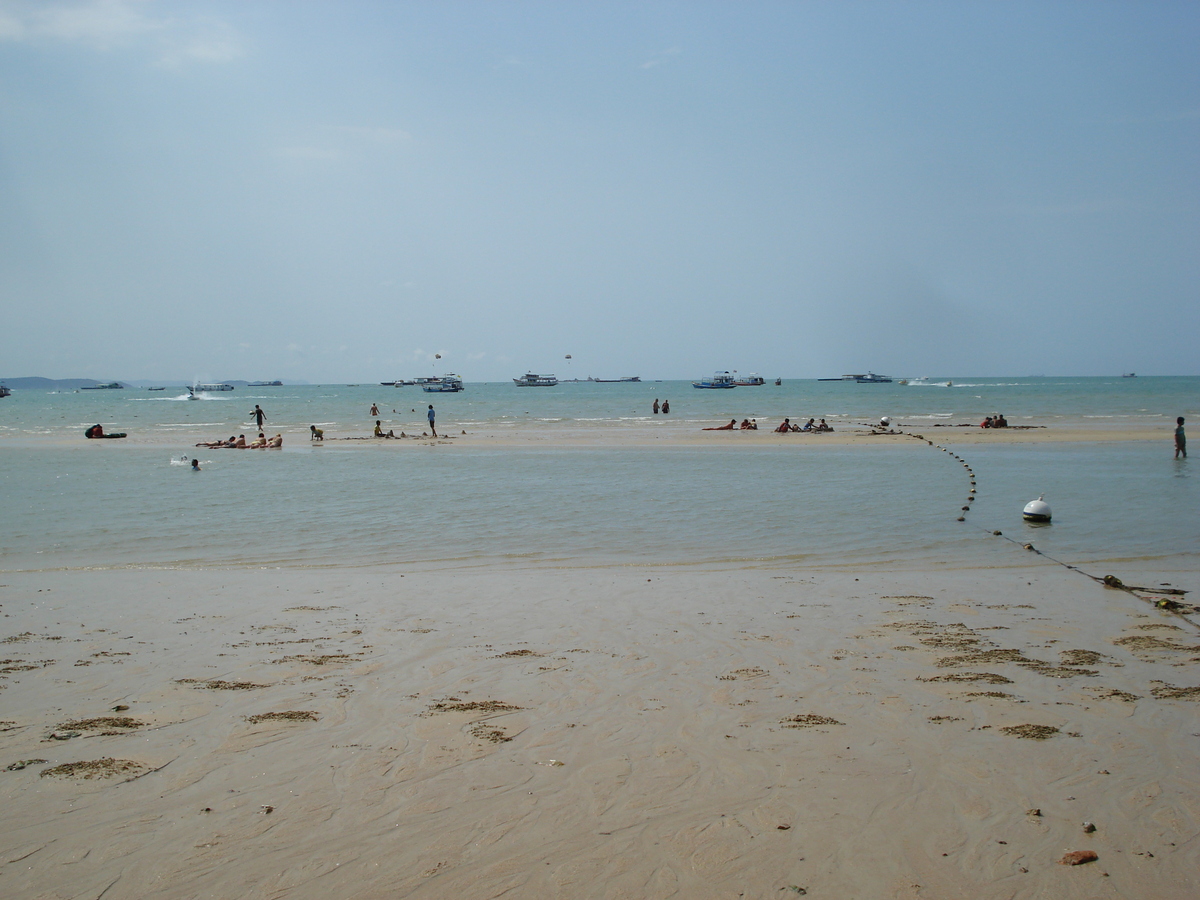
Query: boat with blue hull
x,y
718,381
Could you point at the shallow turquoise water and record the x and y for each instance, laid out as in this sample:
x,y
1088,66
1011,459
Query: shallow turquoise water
x,y
113,505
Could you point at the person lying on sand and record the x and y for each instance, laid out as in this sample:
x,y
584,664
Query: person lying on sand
x,y
275,443
784,427
259,442
732,424
212,445
240,443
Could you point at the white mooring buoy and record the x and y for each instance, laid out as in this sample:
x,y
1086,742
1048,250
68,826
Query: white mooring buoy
x,y
1037,511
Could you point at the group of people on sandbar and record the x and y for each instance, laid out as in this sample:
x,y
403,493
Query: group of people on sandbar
x,y
262,442
996,421
810,426
784,428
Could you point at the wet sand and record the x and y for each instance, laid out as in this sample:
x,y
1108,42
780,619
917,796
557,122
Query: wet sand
x,y
596,732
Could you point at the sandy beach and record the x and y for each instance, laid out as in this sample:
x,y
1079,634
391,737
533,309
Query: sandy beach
x,y
597,732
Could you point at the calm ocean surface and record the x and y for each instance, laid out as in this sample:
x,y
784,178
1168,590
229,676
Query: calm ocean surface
x,y
70,503
341,409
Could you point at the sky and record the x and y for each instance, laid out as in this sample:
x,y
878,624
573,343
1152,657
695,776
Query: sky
x,y
339,192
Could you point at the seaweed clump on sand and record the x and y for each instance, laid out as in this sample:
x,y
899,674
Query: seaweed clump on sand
x,y
1164,691
95,768
103,724
808,720
291,715
218,685
1031,732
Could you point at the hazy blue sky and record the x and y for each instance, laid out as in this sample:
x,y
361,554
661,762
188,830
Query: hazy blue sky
x,y
337,191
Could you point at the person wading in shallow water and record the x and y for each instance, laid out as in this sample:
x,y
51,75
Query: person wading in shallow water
x,y
259,416
432,427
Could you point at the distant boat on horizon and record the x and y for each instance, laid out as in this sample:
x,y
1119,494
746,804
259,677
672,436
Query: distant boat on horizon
x,y
109,386
869,378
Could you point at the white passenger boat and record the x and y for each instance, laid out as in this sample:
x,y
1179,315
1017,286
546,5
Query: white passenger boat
x,y
210,388
447,384
719,380
750,381
531,380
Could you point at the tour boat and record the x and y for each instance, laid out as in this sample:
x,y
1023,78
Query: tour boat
x,y
719,380
531,380
447,384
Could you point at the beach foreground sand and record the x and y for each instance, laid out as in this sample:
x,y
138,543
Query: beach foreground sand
x,y
608,732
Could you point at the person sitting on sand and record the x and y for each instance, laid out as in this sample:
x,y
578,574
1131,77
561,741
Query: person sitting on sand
x,y
823,427
999,421
317,434
986,423
784,427
809,425
378,429
747,425
732,425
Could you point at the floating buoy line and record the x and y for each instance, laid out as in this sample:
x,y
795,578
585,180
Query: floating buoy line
x,y
1039,511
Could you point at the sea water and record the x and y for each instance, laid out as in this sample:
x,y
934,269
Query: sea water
x,y
69,503
156,416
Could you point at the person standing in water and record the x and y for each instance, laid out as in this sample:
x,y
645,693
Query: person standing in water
x,y
666,407
1180,439
375,409
259,416
655,407
432,427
